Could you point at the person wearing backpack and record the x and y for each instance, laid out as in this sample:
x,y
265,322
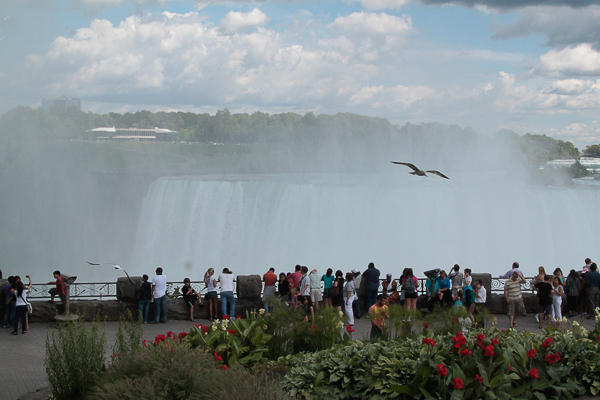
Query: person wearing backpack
x,y
409,286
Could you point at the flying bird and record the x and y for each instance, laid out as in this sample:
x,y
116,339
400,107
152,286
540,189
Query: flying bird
x,y
115,266
417,171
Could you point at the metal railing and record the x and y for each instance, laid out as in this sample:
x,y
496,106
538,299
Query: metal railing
x,y
108,290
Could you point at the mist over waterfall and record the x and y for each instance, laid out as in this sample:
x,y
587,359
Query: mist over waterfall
x,y
249,223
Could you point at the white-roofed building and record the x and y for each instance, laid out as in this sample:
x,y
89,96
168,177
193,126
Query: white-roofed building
x,y
113,134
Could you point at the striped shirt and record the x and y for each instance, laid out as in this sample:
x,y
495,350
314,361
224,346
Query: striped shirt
x,y
513,289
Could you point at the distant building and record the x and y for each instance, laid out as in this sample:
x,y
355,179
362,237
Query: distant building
x,y
113,134
61,102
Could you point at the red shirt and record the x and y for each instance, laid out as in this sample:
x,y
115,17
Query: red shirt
x,y
270,279
296,276
60,285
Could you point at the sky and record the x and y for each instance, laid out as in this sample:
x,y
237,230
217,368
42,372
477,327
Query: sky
x,y
530,66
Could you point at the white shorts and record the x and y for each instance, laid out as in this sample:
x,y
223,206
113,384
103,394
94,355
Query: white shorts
x,y
316,295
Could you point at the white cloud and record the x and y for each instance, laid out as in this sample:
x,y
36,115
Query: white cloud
x,y
383,4
362,25
579,133
581,60
239,21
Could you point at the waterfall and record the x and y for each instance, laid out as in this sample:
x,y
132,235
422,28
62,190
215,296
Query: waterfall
x,y
250,223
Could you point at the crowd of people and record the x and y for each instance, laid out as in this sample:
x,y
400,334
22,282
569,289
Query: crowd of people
x,y
575,294
558,295
17,308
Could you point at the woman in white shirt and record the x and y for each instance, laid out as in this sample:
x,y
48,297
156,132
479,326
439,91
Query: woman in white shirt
x,y
211,292
20,292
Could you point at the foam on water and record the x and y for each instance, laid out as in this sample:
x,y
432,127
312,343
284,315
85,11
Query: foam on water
x,y
249,223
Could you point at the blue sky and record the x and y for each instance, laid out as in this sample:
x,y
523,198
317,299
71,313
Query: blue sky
x,y
528,66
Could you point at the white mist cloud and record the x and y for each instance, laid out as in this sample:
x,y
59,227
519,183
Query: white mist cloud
x,y
238,21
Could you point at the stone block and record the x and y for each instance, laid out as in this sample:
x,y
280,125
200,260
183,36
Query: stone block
x,y
249,286
126,291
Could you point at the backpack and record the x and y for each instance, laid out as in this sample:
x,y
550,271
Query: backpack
x,y
409,285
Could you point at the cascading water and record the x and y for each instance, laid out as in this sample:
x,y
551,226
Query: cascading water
x,y
250,223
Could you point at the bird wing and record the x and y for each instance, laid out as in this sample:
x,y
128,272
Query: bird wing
x,y
438,173
407,164
92,263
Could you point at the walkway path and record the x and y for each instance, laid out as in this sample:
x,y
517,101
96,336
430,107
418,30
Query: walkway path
x,y
22,368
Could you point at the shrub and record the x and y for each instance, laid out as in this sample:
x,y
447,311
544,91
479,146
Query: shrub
x,y
128,337
484,363
293,334
74,356
171,369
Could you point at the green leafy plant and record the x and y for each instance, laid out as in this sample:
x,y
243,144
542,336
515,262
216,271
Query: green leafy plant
x,y
234,341
74,357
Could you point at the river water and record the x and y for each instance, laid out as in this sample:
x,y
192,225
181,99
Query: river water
x,y
249,223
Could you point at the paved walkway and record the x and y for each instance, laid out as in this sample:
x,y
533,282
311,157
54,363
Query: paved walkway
x,y
22,369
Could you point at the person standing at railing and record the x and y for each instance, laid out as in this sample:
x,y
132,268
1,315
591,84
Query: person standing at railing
x,y
9,311
592,283
515,268
20,292
315,289
190,296
144,297
211,293
270,279
514,297
456,277
357,282
159,294
371,279
227,298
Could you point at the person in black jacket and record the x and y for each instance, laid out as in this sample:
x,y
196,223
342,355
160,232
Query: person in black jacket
x,y
371,281
144,298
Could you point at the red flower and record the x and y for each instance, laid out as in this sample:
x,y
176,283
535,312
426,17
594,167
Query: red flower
x,y
217,357
466,352
534,373
552,358
225,316
224,367
531,353
547,343
459,341
598,336
489,351
159,338
429,341
231,332
425,325
144,343
197,326
480,339
479,378
349,329
238,317
495,341
182,335
458,383
204,328
313,327
510,367
170,334
441,370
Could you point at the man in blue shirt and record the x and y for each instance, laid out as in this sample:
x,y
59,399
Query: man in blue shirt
x,y
509,273
592,281
371,282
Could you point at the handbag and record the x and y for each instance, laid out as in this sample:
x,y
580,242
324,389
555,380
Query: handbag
x,y
29,308
335,291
